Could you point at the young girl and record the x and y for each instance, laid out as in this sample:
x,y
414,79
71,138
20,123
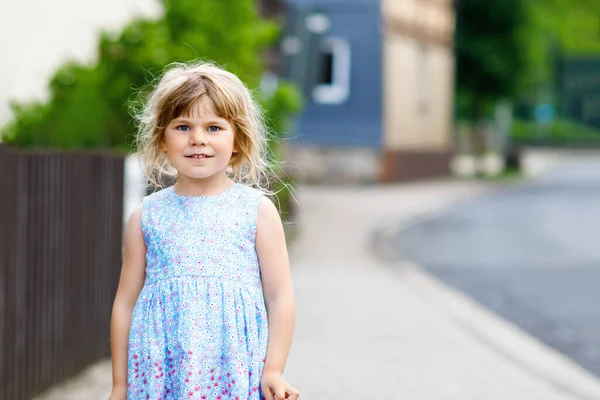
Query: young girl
x,y
205,260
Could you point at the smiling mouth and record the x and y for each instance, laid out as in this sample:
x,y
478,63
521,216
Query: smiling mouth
x,y
198,156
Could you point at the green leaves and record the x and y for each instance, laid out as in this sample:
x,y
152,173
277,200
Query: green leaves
x,y
89,105
488,49
574,25
560,132
506,48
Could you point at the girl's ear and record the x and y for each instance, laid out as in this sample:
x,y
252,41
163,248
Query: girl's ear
x,y
163,145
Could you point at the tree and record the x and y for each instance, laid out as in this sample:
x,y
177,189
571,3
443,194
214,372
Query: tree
x,y
489,55
574,25
89,105
554,28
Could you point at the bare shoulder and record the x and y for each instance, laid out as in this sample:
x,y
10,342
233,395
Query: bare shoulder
x,y
268,212
134,249
268,221
133,230
266,208
135,219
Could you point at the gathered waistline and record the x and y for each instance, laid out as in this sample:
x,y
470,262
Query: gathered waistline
x,y
246,284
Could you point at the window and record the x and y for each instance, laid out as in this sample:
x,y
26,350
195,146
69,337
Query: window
x,y
333,84
326,71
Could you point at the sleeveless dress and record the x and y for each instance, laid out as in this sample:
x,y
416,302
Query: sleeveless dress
x,y
199,328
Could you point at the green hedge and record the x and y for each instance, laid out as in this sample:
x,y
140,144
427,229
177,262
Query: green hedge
x,y
560,132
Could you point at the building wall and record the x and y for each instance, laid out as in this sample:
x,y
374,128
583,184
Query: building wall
x,y
357,121
36,36
418,70
418,95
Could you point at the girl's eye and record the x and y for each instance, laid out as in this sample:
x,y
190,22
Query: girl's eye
x,y
183,128
213,128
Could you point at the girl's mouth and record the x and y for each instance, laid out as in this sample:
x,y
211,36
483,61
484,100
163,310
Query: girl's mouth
x,y
198,156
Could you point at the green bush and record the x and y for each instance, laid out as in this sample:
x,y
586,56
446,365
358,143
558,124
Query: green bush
x,y
560,132
89,105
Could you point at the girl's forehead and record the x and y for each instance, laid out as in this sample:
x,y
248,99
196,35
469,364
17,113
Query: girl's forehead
x,y
201,109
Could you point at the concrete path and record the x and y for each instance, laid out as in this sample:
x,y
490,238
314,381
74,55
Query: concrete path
x,y
373,328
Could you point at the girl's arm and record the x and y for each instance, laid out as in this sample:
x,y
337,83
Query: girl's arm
x,y
130,285
279,296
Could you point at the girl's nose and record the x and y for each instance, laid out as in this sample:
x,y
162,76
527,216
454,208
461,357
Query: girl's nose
x,y
198,137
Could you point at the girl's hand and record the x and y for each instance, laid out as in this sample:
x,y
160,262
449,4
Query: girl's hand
x,y
275,387
118,393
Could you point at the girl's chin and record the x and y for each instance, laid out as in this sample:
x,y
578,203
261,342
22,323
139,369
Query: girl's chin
x,y
198,173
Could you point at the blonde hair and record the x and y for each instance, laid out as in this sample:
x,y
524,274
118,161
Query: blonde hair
x,y
180,88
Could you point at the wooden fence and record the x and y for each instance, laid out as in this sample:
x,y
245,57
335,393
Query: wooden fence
x,y
60,257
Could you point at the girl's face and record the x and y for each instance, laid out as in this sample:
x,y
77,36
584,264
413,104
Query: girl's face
x,y
199,145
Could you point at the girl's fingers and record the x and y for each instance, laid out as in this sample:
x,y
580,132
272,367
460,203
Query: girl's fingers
x,y
292,394
280,392
268,394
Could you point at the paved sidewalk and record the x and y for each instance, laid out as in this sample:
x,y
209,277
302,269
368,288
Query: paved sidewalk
x,y
371,328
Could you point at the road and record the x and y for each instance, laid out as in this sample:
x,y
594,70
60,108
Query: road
x,y
530,252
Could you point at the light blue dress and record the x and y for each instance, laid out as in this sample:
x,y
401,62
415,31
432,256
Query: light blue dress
x,y
199,328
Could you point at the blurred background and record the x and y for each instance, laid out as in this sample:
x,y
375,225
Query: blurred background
x,y
439,179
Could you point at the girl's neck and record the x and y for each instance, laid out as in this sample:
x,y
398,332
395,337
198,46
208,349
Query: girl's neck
x,y
202,187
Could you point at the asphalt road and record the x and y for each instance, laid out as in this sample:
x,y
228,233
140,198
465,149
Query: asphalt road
x,y
530,252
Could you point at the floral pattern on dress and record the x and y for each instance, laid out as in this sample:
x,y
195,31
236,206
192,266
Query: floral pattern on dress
x,y
199,328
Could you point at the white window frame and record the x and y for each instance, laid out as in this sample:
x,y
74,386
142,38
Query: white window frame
x,y
339,90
